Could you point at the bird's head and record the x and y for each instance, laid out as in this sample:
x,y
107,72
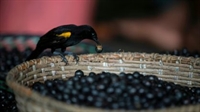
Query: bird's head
x,y
77,34
87,32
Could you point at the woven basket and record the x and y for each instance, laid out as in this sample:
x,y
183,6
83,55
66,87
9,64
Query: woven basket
x,y
181,70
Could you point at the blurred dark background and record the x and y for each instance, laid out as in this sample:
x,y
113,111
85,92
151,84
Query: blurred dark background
x,y
149,25
130,25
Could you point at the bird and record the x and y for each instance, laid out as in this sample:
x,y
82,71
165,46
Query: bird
x,y
62,37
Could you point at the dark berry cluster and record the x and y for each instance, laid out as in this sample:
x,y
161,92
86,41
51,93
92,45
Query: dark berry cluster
x,y
183,52
123,91
9,59
7,101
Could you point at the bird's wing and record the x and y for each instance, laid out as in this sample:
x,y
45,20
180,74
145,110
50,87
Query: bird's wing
x,y
48,41
56,36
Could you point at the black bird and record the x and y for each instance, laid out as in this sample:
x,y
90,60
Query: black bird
x,y
64,36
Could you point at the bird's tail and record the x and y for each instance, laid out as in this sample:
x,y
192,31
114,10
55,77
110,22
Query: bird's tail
x,y
35,53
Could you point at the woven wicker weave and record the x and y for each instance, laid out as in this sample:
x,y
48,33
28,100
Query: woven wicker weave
x,y
181,70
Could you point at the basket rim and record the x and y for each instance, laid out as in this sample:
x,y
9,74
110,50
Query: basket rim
x,y
154,56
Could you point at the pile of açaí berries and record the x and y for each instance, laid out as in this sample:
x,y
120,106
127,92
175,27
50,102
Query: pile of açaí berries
x,y
7,100
103,91
122,91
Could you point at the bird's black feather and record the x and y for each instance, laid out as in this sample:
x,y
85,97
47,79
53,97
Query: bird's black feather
x,y
54,39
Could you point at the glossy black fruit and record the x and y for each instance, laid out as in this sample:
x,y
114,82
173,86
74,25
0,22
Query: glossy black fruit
x,y
7,101
183,52
124,91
